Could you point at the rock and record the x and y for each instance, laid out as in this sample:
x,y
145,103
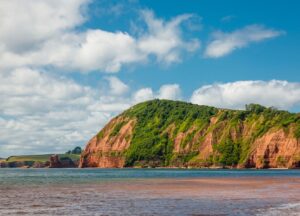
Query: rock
x,y
3,164
55,162
67,162
106,151
38,164
276,149
64,162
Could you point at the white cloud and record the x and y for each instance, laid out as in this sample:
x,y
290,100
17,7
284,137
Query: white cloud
x,y
225,43
168,91
40,112
43,113
281,94
88,51
164,39
106,51
143,95
25,25
24,91
117,87
171,92
45,33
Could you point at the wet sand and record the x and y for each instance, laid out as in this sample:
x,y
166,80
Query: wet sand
x,y
189,196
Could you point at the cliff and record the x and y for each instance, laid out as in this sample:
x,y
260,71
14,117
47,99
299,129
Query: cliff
x,y
163,133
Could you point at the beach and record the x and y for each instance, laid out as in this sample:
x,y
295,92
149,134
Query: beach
x,y
184,194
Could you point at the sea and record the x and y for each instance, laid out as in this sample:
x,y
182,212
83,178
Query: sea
x,y
195,192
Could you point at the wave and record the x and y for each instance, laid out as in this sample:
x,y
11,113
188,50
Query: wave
x,y
290,209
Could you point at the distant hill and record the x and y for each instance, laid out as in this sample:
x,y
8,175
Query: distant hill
x,y
69,159
38,161
39,158
164,133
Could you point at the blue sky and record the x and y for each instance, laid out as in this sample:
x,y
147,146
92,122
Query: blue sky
x,y
271,59
276,58
68,67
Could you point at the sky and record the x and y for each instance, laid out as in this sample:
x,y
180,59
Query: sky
x,y
68,67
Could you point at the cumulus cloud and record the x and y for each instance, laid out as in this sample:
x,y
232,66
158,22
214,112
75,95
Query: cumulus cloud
x,y
143,95
164,39
280,94
87,51
25,25
48,35
117,87
168,91
24,91
224,43
171,92
42,113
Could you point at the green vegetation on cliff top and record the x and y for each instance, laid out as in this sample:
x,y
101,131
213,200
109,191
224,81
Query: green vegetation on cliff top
x,y
160,121
150,140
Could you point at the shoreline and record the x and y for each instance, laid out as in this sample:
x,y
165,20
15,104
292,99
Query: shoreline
x,y
181,168
145,168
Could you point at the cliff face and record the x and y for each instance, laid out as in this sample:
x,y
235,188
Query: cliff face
x,y
107,147
275,150
178,134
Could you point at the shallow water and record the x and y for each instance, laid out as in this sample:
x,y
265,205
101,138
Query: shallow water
x,y
149,192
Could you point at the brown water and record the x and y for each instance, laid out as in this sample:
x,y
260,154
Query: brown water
x,y
198,195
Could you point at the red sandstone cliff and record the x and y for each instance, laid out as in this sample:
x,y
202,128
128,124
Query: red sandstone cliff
x,y
104,150
277,147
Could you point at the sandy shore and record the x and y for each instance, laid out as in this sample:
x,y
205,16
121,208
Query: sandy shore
x,y
193,196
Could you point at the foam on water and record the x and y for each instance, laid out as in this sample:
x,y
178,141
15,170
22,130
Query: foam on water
x,y
290,209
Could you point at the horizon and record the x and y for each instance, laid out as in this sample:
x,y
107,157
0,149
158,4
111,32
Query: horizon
x,y
68,67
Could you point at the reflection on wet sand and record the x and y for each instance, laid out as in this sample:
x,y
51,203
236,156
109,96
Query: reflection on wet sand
x,y
190,196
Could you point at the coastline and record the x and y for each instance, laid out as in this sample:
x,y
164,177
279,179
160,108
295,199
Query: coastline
x,y
134,167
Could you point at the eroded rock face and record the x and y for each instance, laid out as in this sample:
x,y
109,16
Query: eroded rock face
x,y
64,162
275,150
55,162
106,149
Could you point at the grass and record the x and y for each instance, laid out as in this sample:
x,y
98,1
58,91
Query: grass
x,y
117,128
39,158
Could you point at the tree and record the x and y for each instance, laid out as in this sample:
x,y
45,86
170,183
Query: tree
x,y
256,108
76,150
